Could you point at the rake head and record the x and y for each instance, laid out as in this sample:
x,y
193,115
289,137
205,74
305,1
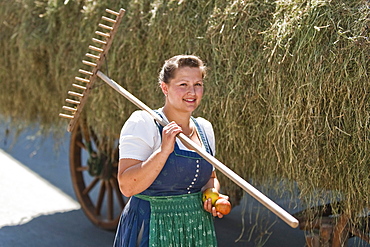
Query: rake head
x,y
96,58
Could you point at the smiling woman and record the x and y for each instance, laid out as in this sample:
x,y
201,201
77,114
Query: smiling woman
x,y
183,88
288,95
163,177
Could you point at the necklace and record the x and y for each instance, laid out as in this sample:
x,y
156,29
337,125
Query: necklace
x,y
192,133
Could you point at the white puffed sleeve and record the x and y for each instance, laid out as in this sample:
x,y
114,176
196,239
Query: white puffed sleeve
x,y
139,137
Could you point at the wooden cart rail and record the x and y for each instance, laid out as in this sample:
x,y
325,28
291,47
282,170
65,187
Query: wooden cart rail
x,y
329,229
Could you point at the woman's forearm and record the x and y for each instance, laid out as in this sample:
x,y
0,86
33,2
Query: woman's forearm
x,y
135,176
212,182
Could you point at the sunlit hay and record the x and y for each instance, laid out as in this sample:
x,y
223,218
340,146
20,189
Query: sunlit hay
x,y
319,100
287,89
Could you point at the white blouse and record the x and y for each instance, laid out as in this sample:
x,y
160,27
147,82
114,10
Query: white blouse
x,y
140,136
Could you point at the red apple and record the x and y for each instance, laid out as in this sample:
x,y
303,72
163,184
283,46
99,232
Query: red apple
x,y
210,193
223,206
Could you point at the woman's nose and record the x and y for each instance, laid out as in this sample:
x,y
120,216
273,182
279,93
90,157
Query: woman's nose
x,y
191,90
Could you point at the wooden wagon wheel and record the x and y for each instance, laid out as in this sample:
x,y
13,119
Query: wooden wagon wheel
x,y
93,166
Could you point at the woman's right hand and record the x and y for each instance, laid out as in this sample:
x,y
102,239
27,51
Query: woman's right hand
x,y
207,205
169,137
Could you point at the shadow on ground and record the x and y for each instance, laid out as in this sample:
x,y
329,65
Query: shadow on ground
x,y
60,229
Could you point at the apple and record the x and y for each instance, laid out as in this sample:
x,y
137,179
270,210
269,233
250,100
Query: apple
x,y
210,193
223,206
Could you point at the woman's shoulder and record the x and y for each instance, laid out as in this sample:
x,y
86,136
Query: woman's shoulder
x,y
140,116
139,122
204,123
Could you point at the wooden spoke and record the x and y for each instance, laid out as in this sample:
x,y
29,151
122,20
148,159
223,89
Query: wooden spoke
x,y
110,200
117,191
91,186
82,168
95,138
99,203
81,145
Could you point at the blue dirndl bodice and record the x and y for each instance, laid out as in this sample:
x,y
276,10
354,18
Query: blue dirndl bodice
x,y
185,172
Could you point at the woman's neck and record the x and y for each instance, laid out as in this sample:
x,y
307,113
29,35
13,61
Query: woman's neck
x,y
182,119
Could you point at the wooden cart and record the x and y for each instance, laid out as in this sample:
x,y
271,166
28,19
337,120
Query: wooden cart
x,y
94,160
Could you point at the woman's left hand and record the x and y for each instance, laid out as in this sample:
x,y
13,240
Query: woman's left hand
x,y
210,208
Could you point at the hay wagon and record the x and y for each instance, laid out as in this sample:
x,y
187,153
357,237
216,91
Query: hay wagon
x,y
288,84
95,176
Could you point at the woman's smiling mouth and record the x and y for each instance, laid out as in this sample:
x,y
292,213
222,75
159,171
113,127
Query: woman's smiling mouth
x,y
189,100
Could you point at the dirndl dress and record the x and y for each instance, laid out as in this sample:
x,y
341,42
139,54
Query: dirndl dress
x,y
170,212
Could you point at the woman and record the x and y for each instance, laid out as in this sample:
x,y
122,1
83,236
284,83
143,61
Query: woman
x,y
163,177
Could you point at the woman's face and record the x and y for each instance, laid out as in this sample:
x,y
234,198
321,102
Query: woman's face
x,y
185,91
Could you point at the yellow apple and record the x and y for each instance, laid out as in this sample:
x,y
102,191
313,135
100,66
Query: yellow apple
x,y
210,193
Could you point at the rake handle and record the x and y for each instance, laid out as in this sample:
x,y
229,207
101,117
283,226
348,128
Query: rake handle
x,y
264,200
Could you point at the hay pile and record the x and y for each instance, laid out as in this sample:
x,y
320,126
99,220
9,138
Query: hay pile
x,y
287,92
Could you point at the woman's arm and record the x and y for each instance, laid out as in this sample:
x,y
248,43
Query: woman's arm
x,y
212,182
135,176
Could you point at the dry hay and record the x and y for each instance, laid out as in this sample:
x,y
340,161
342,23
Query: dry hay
x,y
287,91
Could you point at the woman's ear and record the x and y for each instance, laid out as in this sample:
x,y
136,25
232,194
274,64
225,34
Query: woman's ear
x,y
164,88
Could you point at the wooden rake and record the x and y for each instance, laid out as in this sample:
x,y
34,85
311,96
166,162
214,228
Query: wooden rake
x,y
96,59
81,99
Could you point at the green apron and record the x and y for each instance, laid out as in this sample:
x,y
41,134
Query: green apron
x,y
180,221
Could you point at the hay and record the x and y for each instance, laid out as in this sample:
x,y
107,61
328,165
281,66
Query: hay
x,y
287,92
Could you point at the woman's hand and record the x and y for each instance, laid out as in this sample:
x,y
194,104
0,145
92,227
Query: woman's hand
x,y
209,208
169,137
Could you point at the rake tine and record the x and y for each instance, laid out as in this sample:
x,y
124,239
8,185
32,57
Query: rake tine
x,y
107,35
79,95
112,12
82,79
108,19
85,72
99,41
89,63
75,102
105,27
66,116
79,86
92,56
69,108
